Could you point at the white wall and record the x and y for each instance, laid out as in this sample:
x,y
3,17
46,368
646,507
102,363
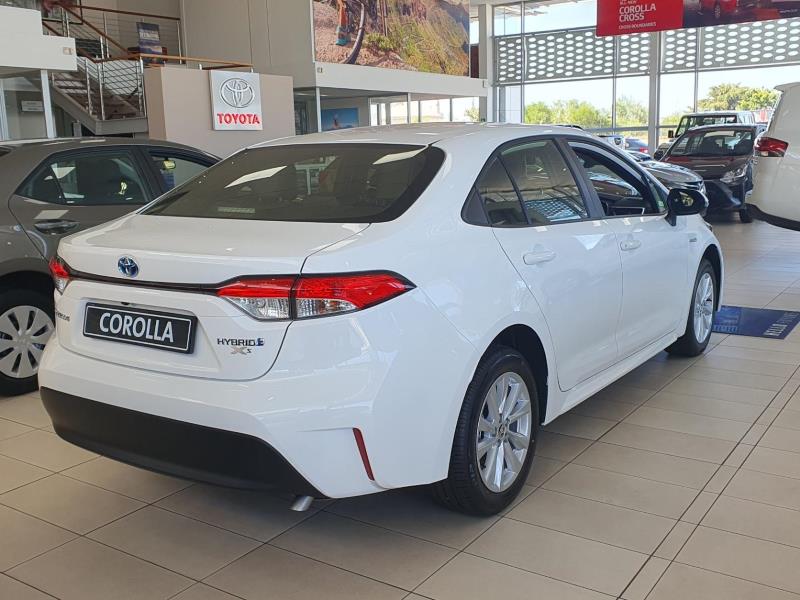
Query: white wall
x,y
23,46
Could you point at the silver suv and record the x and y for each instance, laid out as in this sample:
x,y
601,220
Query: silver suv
x,y
51,188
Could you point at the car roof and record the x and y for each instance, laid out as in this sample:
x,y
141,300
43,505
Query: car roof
x,y
424,134
723,126
717,113
58,144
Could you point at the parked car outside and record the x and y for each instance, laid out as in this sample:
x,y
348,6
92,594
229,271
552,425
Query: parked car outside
x,y
614,139
776,166
671,175
723,156
410,314
51,188
635,145
687,122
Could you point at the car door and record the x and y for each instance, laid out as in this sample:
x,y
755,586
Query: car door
x,y
655,254
567,257
75,190
172,167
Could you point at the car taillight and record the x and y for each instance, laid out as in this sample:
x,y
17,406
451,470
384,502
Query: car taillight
x,y
60,272
771,147
264,299
308,296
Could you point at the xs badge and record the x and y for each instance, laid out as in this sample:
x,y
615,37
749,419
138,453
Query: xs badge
x,y
241,350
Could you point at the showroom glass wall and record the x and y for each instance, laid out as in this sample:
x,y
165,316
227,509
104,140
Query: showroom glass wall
x,y
551,68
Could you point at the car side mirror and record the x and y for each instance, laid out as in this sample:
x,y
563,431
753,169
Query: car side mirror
x,y
658,155
671,133
684,201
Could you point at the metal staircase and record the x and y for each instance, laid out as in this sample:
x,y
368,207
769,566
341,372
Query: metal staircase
x,y
106,93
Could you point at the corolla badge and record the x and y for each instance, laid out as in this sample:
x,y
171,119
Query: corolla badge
x,y
127,266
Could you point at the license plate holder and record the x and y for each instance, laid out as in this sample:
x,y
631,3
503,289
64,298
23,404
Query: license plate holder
x,y
140,327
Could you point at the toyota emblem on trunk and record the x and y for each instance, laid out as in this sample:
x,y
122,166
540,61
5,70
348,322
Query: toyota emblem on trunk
x,y
127,266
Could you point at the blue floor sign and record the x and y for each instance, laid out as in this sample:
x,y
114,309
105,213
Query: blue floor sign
x,y
756,322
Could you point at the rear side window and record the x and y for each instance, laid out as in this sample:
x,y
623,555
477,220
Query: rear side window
x,y
333,183
548,189
176,170
500,200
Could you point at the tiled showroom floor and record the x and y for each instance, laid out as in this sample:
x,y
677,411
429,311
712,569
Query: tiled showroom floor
x,y
680,482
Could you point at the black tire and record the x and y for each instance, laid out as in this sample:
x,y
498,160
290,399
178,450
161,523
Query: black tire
x,y
9,298
744,216
464,490
688,344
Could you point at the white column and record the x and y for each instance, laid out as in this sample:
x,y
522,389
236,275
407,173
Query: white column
x,y
4,134
318,104
486,60
654,69
49,124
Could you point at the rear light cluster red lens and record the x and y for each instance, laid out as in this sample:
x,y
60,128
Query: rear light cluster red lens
x,y
309,296
771,147
60,273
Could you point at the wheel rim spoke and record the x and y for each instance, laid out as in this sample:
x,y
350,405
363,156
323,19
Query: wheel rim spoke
x,y
24,331
503,432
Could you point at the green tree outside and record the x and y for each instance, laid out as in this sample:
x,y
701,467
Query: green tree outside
x,y
735,96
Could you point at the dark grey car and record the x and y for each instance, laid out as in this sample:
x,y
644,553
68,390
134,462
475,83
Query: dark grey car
x,y
52,188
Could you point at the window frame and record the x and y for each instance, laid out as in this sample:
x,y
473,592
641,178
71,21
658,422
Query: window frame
x,y
126,150
594,208
628,163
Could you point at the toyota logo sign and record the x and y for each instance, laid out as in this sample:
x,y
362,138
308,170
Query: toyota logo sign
x,y
236,101
127,266
237,93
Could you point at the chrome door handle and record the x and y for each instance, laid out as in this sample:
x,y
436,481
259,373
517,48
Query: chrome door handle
x,y
629,245
537,258
55,226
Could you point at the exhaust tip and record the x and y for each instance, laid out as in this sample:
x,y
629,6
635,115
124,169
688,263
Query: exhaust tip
x,y
301,503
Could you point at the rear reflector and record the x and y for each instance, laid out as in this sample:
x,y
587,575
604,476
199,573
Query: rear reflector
x,y
60,273
362,450
771,147
308,296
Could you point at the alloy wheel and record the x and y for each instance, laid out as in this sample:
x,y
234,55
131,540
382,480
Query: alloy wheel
x,y
504,432
24,331
703,307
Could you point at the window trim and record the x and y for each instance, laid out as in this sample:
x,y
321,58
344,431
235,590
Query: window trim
x,y
129,150
590,199
627,162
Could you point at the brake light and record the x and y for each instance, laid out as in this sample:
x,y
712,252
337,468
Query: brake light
x,y
60,272
308,296
771,147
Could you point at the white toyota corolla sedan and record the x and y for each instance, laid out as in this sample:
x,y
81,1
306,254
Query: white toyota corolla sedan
x,y
346,313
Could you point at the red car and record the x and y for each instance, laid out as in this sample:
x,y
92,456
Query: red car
x,y
726,8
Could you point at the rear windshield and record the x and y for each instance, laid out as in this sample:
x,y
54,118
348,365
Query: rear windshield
x,y
332,183
716,142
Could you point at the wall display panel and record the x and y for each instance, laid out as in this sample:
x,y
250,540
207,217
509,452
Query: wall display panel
x,y
416,35
619,17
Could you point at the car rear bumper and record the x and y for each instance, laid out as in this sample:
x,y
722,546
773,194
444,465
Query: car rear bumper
x,y
722,197
173,447
395,372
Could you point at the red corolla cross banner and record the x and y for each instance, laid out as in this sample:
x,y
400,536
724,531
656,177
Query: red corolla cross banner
x,y
618,17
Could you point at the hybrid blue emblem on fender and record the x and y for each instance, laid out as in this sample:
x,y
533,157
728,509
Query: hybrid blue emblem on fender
x,y
127,266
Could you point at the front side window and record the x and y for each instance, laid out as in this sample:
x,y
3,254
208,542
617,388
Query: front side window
x,y
620,191
88,180
333,183
715,142
548,189
176,170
